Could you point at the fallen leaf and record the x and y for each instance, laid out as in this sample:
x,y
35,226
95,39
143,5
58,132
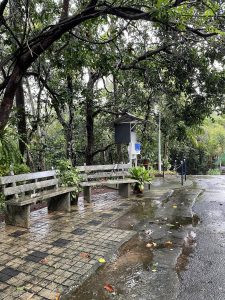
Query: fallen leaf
x,y
101,260
168,243
44,261
85,255
174,206
154,270
151,245
108,288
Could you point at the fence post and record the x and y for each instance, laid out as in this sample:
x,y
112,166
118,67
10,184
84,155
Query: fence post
x,y
182,172
185,169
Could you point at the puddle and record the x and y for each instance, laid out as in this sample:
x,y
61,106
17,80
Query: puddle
x,y
141,267
133,220
178,221
187,249
123,273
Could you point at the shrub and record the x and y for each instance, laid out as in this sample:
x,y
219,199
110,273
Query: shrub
x,y
213,172
68,175
21,169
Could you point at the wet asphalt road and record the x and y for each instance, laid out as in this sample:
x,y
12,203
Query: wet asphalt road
x,y
204,277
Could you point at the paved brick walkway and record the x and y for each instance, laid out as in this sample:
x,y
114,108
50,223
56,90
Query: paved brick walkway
x,y
60,250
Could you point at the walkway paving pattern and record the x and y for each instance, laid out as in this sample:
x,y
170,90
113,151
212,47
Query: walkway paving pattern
x,y
60,250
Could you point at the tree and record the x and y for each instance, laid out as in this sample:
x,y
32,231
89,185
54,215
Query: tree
x,y
30,44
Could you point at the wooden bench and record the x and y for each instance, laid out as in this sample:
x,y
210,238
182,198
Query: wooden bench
x,y
21,191
100,175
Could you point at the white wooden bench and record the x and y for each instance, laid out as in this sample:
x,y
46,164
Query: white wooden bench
x,y
100,175
21,191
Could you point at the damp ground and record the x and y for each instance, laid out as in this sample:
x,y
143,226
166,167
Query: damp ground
x,y
149,265
166,244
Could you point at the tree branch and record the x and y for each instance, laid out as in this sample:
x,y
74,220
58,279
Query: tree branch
x,y
102,150
145,56
52,93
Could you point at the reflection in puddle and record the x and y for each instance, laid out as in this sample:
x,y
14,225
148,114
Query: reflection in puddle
x,y
187,249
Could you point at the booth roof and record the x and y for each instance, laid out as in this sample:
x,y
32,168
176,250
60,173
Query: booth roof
x,y
128,118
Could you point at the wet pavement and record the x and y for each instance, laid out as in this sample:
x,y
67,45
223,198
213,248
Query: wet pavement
x,y
146,266
60,250
204,277
166,244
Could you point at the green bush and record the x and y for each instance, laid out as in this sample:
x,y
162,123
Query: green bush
x,y
4,170
68,175
213,172
21,169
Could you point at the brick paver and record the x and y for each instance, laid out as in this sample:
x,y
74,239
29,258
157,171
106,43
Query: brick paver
x,y
60,250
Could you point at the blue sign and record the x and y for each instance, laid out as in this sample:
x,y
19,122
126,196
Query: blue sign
x,y
137,147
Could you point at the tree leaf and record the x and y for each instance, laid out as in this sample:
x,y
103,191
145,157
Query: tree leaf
x,y
108,288
85,255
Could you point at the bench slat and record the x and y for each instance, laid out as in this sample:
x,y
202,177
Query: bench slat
x,y
107,174
103,167
113,181
44,196
27,176
29,187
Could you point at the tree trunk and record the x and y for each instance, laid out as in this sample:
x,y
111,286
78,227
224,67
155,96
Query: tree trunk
x,y
69,130
89,94
21,119
115,96
65,9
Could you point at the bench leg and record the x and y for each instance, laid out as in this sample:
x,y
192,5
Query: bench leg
x,y
60,203
148,186
87,193
124,190
18,215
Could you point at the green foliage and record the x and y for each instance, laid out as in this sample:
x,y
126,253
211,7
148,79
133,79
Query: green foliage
x,y
4,170
9,152
21,169
213,172
166,164
141,175
68,175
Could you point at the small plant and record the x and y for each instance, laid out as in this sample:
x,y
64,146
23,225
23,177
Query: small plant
x,y
142,176
68,175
